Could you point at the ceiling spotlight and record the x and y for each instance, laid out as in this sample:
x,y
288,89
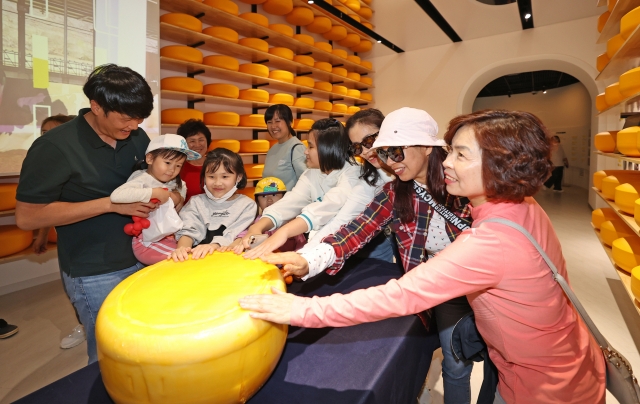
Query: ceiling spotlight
x,y
544,91
527,16
310,1
379,41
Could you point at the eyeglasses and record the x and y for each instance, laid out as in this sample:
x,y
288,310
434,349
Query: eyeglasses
x,y
395,153
367,142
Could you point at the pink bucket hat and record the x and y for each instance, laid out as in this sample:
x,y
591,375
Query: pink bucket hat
x,y
408,127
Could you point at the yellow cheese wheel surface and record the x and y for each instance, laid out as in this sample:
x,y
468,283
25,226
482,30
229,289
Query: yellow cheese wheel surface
x,y
366,64
278,7
636,211
352,109
364,46
304,59
167,331
626,196
635,282
223,33
601,103
339,108
8,196
13,239
254,94
300,16
629,22
602,61
618,175
614,229
177,116
182,20
255,43
254,146
352,92
308,39
253,120
336,33
600,216
366,96
367,24
625,252
255,18
182,52
611,4
353,76
354,58
229,144
303,81
323,85
323,66
286,99
628,141
282,52
324,105
184,84
281,75
325,46
612,94
341,53
222,62
353,4
342,90
283,29
604,142
319,25
614,44
304,102
365,12
253,170
303,124
221,118
221,90
602,20
224,5
255,69
350,40
366,80
630,82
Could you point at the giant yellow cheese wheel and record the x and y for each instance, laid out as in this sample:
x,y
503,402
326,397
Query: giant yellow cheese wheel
x,y
169,330
629,22
626,252
602,61
222,62
254,94
366,80
319,25
628,141
365,12
354,58
323,105
353,76
248,191
626,196
612,94
182,20
223,33
253,170
255,69
350,40
286,99
600,216
13,239
325,46
323,66
281,75
303,124
184,84
636,211
254,146
221,118
342,90
352,110
255,18
336,33
339,108
352,92
602,20
253,120
178,116
614,229
614,44
308,39
303,81
182,52
323,86
224,5
221,90
601,103
282,52
229,144
341,53
605,142
283,29
364,46
366,64
278,7
255,43
304,59
304,102
8,196
630,82
300,16
635,282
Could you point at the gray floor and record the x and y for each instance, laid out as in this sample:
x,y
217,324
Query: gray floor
x,y
32,358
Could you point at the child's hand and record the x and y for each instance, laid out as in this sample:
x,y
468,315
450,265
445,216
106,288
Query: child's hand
x,y
177,199
275,241
236,247
160,194
246,240
180,254
202,250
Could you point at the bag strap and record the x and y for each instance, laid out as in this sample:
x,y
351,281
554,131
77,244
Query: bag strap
x,y
291,157
602,342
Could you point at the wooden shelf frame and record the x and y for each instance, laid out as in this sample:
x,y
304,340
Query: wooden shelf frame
x,y
626,58
612,26
620,157
626,218
7,213
184,36
217,127
26,253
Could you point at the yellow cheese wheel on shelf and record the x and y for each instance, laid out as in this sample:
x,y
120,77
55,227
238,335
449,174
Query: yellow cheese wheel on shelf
x,y
254,146
224,5
635,282
253,170
342,90
223,33
308,39
353,4
255,18
221,118
601,103
255,69
177,116
229,144
323,86
353,76
621,175
626,252
341,53
614,44
366,96
304,59
255,43
336,33
610,183
614,229
605,142
367,24
182,52
366,64
324,105
282,52
183,84
305,143
325,46
8,196
630,82
281,75
343,9
300,16
612,95
340,71
222,62
278,7
303,124
365,12
364,46
628,141
283,29
354,58
304,102
323,66
319,25
339,108
13,239
626,196
600,216
164,333
352,110
182,20
247,191
253,120
629,22
350,40
254,94
253,1
352,92
279,98
305,81
636,211
602,61
366,80
602,20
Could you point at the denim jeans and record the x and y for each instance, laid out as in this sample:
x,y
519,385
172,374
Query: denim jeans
x,y
87,294
456,375
380,248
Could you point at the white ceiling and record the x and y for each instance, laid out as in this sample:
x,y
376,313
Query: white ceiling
x,y
406,25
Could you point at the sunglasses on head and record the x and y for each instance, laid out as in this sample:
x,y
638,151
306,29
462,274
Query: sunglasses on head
x,y
395,153
367,142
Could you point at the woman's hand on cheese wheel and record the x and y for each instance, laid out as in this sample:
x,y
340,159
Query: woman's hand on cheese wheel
x,y
292,263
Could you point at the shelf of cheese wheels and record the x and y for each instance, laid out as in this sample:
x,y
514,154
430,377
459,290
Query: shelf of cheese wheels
x,y
608,22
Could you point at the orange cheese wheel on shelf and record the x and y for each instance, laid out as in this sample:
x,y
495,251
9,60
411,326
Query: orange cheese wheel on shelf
x,y
8,196
610,183
636,211
339,108
280,98
229,144
365,12
247,191
221,90
614,229
224,5
350,40
253,1
281,75
600,216
282,52
353,76
253,170
366,64
352,92
52,236
255,18
354,16
336,33
183,84
305,143
354,58
614,44
254,146
254,94
283,29
343,9
325,46
304,102
623,175
323,85
300,16
308,39
366,80
278,7
255,69
253,120
323,66
602,20
612,94
605,142
177,116
304,59
352,109
625,252
364,46
303,81
353,4
367,24
342,90
221,118
303,124
324,105
222,62
628,141
13,240
601,103
611,4
272,142
341,53
626,196
181,52
366,96
340,71
224,33
635,283
255,43
629,22
602,61
630,82
182,20
319,25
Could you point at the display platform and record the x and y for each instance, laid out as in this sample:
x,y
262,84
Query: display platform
x,y
382,362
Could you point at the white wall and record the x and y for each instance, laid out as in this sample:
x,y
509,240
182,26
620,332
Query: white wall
x,y
566,112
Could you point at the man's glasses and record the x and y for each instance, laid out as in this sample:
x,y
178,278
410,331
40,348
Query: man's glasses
x,y
367,142
395,153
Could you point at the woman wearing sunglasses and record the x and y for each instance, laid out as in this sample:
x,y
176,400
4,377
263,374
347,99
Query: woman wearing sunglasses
x,y
541,348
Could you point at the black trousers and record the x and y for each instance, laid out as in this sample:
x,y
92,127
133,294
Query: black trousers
x,y
556,178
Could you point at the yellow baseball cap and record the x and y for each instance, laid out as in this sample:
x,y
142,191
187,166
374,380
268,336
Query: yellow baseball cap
x,y
270,185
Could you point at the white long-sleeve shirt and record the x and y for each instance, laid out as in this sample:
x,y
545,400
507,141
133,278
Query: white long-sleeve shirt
x,y
139,187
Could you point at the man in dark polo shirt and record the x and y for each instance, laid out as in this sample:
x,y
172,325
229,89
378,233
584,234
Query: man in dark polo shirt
x,y
67,177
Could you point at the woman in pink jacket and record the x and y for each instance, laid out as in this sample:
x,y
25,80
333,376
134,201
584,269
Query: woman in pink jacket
x,y
541,348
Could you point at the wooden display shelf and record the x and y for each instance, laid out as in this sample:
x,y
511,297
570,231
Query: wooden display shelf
x,y
210,99
216,72
319,11
620,157
629,100
25,253
175,125
628,219
624,276
252,154
626,58
5,213
185,36
612,26
215,17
